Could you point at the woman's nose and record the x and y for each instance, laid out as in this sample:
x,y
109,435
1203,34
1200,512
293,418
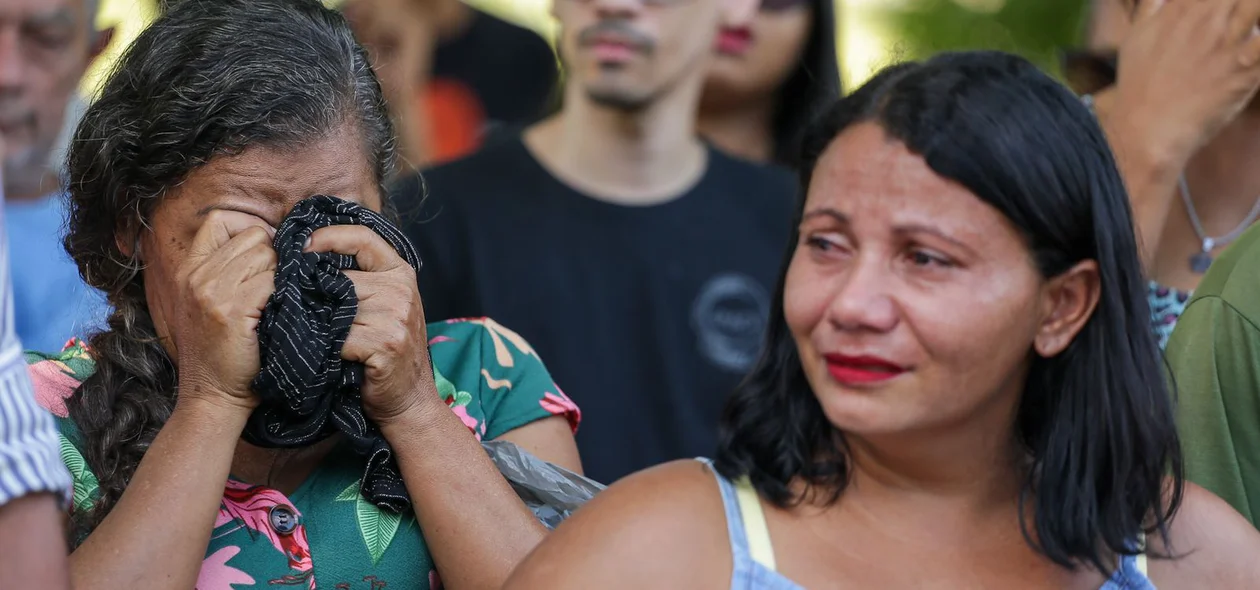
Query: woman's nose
x,y
862,299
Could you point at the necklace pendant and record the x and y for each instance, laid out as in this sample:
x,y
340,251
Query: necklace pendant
x,y
1200,262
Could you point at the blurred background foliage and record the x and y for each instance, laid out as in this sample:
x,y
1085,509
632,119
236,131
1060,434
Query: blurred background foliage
x,y
873,33
1036,29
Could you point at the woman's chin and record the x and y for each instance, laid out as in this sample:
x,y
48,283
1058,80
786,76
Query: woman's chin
x,y
861,414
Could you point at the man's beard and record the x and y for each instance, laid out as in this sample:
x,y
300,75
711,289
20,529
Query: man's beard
x,y
620,100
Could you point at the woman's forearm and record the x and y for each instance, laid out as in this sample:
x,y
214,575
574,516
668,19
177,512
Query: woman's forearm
x,y
157,534
476,527
33,544
1151,172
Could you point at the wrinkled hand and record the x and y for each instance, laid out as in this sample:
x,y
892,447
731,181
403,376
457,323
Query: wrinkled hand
x,y
388,335
1186,69
225,282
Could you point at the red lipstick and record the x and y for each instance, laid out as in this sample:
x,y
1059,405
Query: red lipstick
x,y
859,370
734,40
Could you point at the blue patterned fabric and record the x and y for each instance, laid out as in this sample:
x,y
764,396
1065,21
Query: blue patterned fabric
x,y
1167,304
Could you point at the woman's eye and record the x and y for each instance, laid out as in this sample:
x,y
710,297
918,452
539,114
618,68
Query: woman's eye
x,y
927,259
826,242
820,244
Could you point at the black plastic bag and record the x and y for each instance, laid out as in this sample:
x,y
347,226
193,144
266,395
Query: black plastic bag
x,y
552,492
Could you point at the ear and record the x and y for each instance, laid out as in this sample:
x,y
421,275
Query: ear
x,y
127,240
738,13
1068,301
100,43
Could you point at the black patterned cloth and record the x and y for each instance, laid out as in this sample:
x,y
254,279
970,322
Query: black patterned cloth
x,y
308,391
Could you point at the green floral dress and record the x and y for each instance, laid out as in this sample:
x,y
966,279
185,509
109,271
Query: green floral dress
x,y
324,535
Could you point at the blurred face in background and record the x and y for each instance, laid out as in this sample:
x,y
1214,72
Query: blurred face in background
x,y
45,46
626,53
751,62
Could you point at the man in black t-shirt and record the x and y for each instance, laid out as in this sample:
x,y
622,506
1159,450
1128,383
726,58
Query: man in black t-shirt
x,y
638,261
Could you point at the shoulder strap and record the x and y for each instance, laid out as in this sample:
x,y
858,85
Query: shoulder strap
x,y
759,546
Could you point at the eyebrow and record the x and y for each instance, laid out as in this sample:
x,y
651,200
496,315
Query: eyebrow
x,y
826,212
269,198
204,211
61,17
910,228
265,197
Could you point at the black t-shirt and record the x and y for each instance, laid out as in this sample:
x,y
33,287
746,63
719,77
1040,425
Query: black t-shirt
x,y
647,317
509,68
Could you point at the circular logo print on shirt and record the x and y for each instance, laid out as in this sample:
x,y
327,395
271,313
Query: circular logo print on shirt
x,y
729,317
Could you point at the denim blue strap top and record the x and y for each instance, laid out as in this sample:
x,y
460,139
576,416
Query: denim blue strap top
x,y
753,554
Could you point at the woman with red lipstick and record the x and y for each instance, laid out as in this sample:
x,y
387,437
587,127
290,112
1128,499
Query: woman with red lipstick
x,y
959,387
767,80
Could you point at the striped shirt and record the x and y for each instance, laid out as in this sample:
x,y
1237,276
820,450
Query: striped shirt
x,y
30,457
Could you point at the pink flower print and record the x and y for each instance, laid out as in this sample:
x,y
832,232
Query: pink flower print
x,y
559,404
478,428
216,574
435,581
222,517
439,339
53,383
463,320
252,506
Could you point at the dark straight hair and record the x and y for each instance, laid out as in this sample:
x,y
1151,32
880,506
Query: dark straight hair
x,y
1097,420
812,87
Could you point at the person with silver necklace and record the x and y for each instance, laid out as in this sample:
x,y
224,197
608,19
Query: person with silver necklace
x,y
1200,262
1174,86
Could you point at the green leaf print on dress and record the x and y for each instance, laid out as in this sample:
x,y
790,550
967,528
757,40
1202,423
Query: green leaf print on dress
x,y
376,526
85,484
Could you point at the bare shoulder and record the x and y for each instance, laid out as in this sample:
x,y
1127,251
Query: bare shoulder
x,y
1212,546
663,527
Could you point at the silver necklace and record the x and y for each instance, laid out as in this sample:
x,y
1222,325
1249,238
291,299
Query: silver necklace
x,y
1200,262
